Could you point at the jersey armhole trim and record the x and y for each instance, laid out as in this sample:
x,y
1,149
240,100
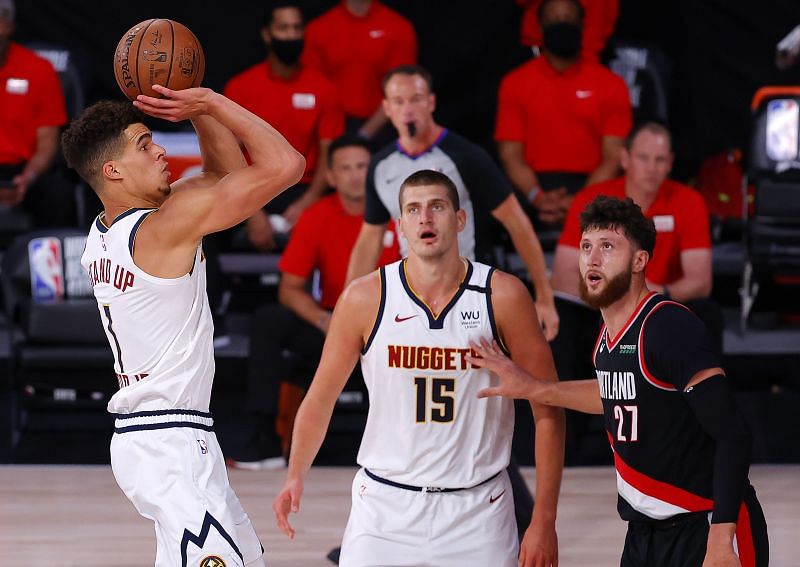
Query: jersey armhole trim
x,y
379,317
135,230
649,376
598,344
490,309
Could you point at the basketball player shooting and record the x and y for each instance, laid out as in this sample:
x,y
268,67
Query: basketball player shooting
x,y
433,489
681,446
145,262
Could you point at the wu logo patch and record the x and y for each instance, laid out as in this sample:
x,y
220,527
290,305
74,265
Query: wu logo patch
x,y
212,561
470,319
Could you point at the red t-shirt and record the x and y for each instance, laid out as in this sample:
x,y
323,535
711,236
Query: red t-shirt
x,y
322,239
355,53
304,107
561,118
598,25
30,97
678,212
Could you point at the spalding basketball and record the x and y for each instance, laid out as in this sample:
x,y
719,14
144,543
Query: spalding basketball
x,y
158,52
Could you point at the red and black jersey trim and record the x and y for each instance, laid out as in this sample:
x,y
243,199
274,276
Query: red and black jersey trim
x,y
661,490
611,343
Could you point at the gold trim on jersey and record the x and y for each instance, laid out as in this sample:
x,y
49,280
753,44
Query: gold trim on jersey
x,y
435,316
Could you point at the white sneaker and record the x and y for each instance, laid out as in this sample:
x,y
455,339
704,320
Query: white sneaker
x,y
269,464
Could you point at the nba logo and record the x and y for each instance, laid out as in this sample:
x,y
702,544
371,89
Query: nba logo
x,y
47,273
783,125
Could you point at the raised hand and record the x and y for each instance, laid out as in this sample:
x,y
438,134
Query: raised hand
x,y
514,381
175,105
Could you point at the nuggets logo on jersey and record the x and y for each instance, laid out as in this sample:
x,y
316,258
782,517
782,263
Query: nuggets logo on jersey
x,y
429,358
212,561
418,361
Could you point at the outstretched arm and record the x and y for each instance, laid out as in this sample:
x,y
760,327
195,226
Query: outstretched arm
x,y
518,383
352,319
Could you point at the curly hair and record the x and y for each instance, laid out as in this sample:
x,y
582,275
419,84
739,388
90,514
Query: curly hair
x,y
96,137
609,212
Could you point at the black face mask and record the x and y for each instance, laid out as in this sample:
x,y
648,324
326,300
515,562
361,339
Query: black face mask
x,y
287,50
562,39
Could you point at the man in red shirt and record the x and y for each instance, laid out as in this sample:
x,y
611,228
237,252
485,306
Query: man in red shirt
x,y
31,113
680,267
561,120
321,240
355,44
299,102
601,16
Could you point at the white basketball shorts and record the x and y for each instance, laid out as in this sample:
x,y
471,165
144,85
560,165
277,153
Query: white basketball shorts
x,y
170,466
390,526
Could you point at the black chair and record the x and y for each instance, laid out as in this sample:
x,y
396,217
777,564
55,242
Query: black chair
x,y
772,231
74,72
646,70
61,367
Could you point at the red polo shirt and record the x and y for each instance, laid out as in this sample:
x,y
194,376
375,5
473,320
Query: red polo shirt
x,y
304,108
30,97
678,212
561,118
355,53
322,239
598,25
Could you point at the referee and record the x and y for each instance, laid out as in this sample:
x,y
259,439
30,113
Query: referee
x,y
422,144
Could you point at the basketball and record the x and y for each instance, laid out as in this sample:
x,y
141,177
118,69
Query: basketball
x,y
158,52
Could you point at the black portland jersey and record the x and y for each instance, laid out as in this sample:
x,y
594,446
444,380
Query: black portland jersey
x,y
663,457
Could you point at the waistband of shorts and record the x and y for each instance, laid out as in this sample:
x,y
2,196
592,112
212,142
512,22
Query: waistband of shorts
x,y
673,521
162,419
388,482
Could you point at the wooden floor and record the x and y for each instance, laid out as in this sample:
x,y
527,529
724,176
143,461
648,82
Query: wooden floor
x,y
76,516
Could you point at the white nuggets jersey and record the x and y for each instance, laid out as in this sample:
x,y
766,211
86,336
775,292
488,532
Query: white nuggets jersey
x,y
160,330
426,426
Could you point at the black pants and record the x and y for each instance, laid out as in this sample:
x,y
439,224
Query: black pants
x,y
283,347
682,542
572,354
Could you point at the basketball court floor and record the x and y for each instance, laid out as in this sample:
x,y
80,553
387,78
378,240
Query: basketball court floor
x,y
64,516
